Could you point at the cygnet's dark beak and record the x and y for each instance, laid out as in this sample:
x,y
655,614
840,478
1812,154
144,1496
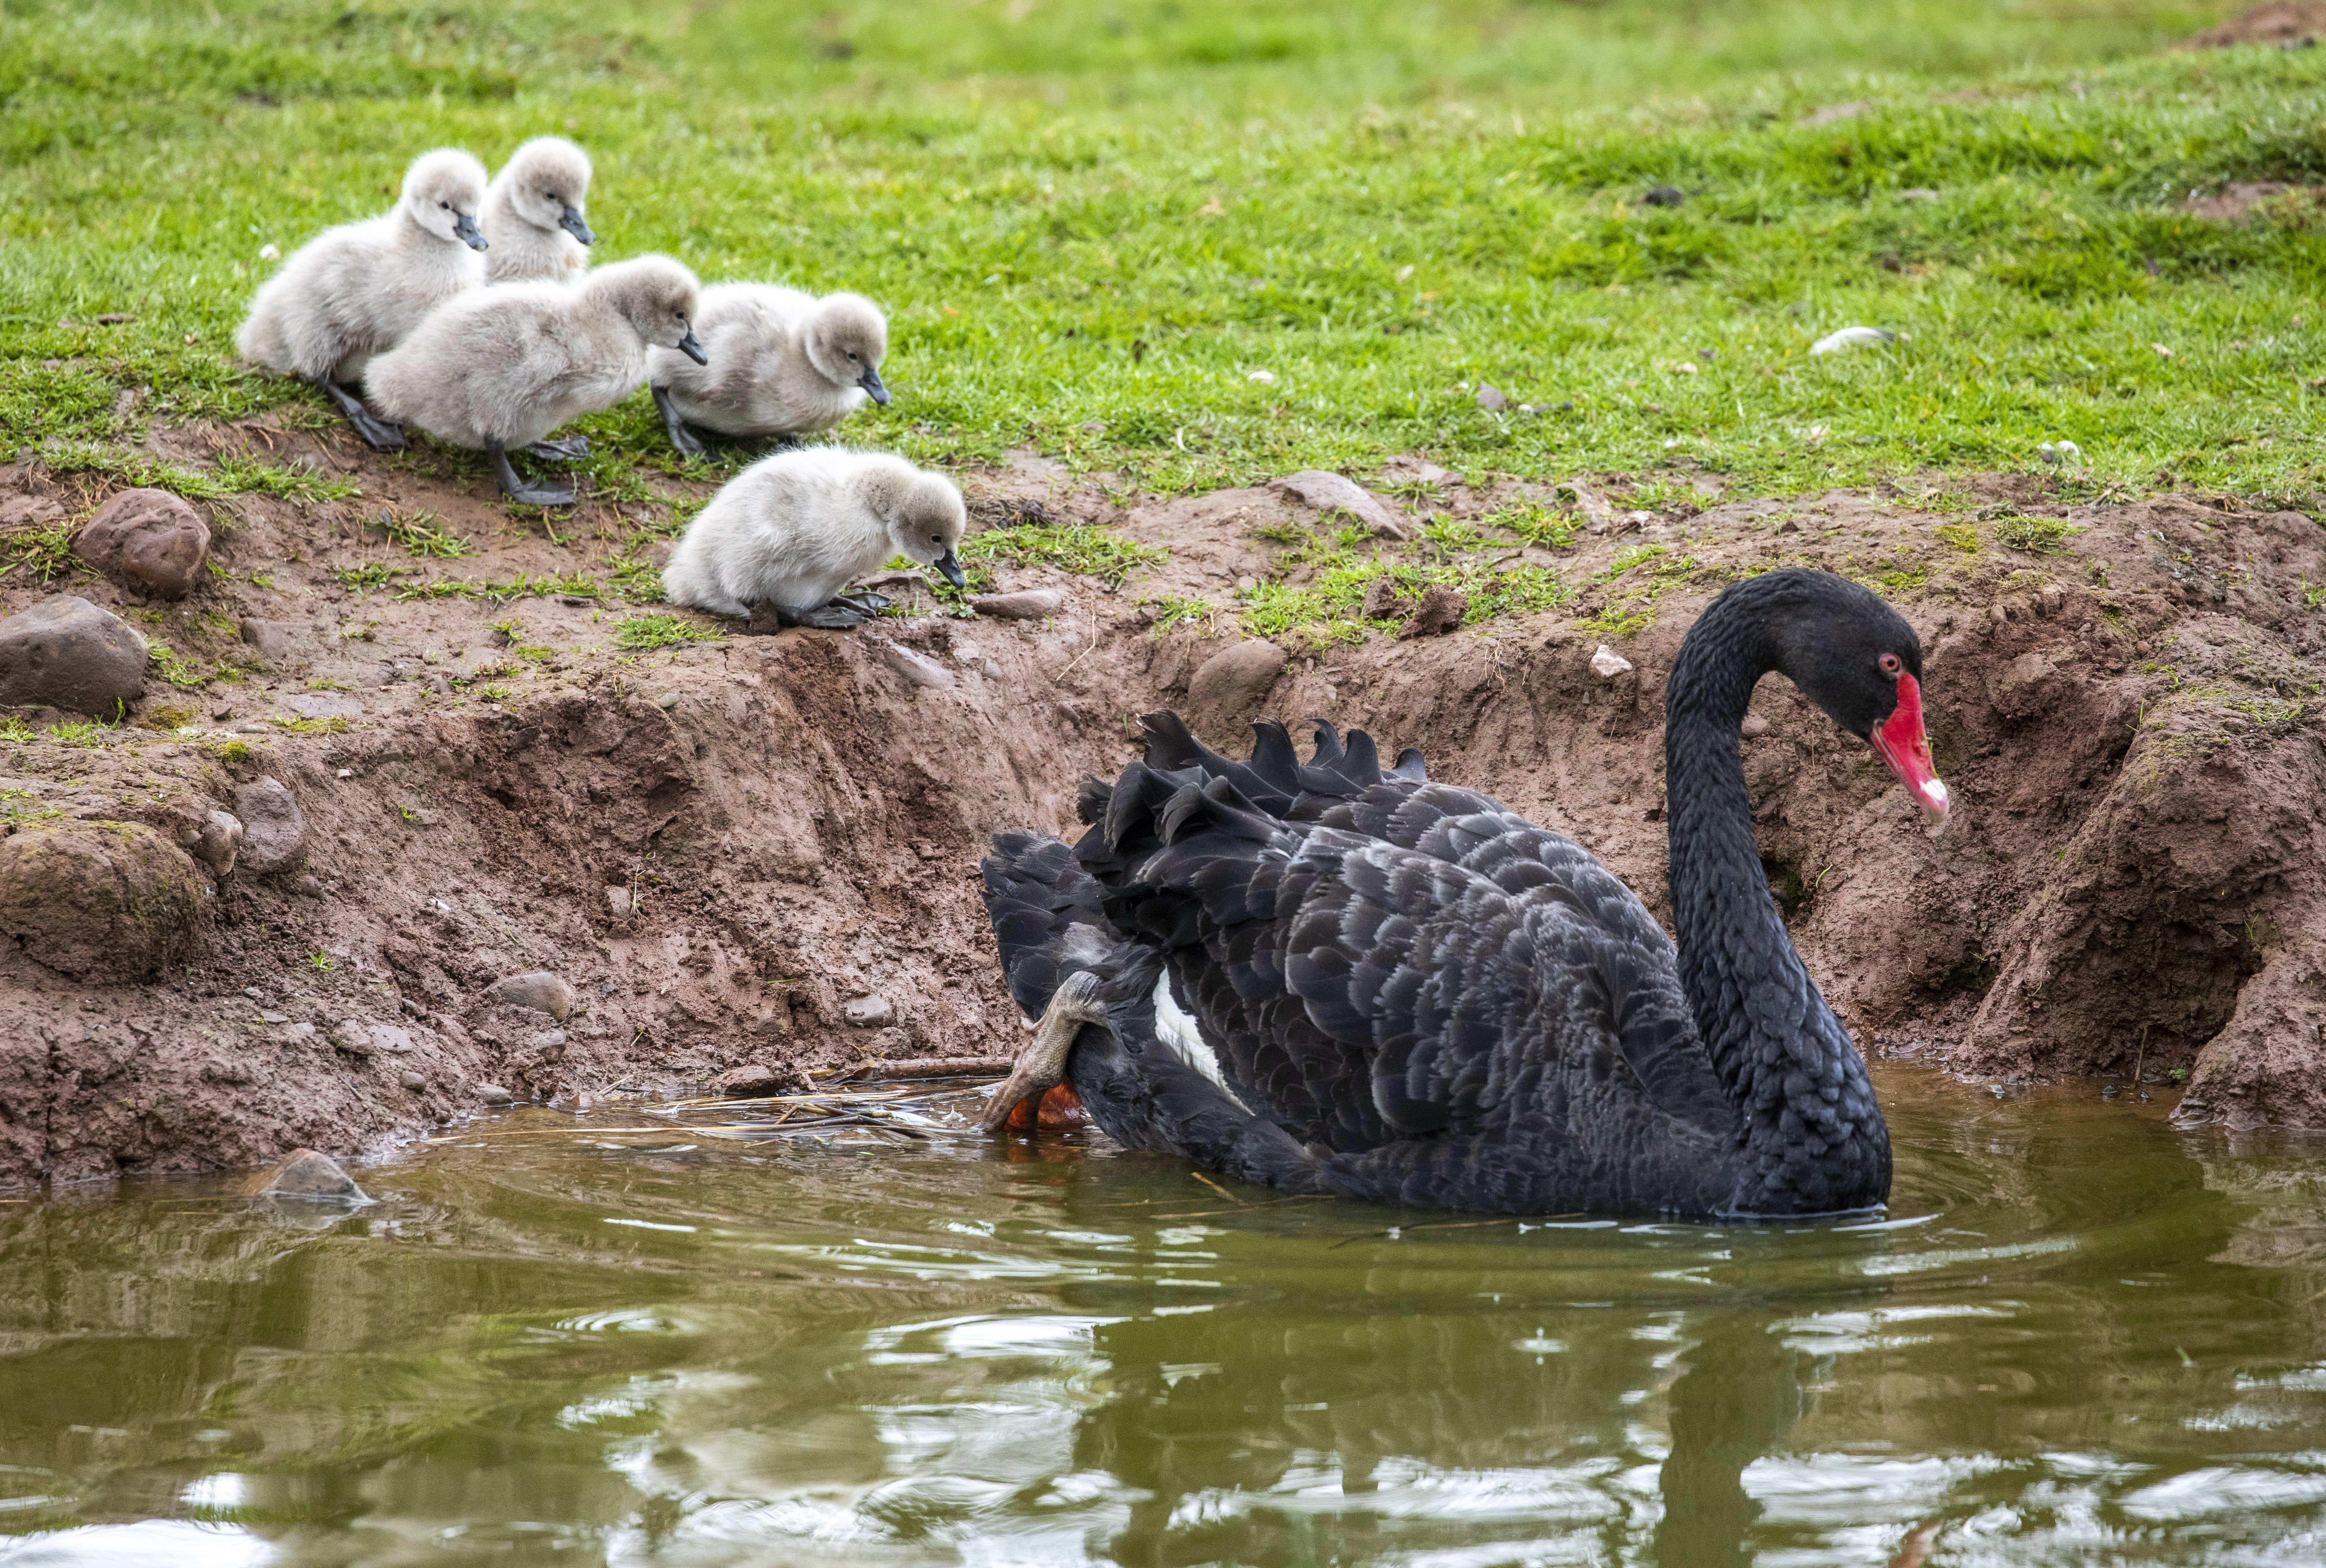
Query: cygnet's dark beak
x,y
870,382
465,227
950,564
692,348
572,224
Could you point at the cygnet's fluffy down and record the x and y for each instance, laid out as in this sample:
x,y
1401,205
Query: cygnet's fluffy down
x,y
782,363
791,530
360,289
502,368
533,215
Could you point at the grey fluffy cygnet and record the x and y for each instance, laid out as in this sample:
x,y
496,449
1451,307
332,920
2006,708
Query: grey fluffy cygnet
x,y
533,215
791,530
782,364
360,289
502,368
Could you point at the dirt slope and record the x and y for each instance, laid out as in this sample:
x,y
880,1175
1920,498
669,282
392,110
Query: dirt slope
x,y
722,846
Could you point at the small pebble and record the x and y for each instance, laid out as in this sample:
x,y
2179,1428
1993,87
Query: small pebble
x,y
493,1094
1607,664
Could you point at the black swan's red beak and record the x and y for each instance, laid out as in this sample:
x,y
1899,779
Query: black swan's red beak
x,y
1907,750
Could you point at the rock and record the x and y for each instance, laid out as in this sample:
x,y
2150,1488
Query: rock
x,y
920,671
1382,601
310,1174
215,840
324,705
101,901
393,1038
1491,398
1754,727
411,1080
1032,604
66,653
353,1036
1231,685
493,1094
149,540
539,990
869,1012
1441,612
1331,493
618,902
1607,664
271,639
273,833
757,1078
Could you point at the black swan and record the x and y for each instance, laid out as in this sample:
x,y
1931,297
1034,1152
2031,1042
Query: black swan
x,y
1335,978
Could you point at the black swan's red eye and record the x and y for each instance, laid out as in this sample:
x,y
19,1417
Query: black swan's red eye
x,y
1890,665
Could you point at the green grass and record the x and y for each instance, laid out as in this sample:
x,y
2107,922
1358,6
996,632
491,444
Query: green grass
x,y
1093,221
1077,547
648,633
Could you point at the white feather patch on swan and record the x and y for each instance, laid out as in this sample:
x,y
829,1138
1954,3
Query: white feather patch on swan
x,y
1176,1029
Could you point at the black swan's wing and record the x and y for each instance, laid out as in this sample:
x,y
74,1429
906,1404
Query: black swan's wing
x,y
1361,989
1046,916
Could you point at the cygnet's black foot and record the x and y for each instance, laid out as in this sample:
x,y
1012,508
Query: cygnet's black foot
x,y
518,490
834,617
863,599
675,427
566,449
381,435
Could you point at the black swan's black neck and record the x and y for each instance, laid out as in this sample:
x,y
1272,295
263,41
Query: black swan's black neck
x,y
1813,1137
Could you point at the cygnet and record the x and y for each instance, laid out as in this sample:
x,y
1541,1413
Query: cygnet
x,y
360,289
497,368
791,530
782,364
533,215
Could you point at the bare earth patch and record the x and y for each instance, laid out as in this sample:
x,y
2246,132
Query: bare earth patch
x,y
2284,22
742,850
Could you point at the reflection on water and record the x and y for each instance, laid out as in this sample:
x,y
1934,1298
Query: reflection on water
x,y
2078,1336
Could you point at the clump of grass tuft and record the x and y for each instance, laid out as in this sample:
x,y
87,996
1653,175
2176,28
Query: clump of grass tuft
x,y
1536,524
310,726
1963,536
175,668
647,634
371,574
1168,610
1081,548
424,534
47,553
2034,535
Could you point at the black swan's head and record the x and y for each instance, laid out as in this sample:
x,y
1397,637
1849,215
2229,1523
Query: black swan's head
x,y
1856,658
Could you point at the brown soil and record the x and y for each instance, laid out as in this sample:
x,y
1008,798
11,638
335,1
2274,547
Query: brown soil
x,y
2129,721
2288,24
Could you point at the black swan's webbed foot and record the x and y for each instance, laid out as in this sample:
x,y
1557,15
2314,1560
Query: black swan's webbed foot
x,y
864,600
381,435
565,449
675,427
518,490
1041,1065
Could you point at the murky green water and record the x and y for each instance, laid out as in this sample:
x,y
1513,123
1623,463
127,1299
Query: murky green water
x,y
2080,1337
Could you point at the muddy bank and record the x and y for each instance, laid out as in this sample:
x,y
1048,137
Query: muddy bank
x,y
761,850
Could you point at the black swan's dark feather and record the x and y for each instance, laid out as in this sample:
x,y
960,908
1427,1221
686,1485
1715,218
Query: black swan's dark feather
x,y
1404,991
